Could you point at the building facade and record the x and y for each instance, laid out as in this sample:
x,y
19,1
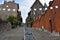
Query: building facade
x,y
8,8
36,10
50,20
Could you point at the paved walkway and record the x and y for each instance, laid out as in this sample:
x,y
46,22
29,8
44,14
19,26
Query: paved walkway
x,y
14,34
18,34
41,35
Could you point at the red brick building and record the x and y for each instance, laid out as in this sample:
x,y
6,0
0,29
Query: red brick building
x,y
50,19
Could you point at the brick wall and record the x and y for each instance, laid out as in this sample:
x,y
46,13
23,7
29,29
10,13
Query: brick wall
x,y
50,20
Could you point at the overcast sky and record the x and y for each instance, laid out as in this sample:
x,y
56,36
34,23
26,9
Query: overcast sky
x,y
25,6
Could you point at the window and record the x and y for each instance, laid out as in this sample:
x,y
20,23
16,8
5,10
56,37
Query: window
x,y
7,6
34,13
45,8
40,8
56,6
4,9
9,9
34,9
51,7
42,27
14,10
0,9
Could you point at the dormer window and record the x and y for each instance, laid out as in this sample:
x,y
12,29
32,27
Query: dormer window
x,y
34,9
56,6
4,9
40,8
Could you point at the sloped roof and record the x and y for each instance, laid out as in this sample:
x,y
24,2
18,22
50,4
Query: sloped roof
x,y
35,2
45,5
